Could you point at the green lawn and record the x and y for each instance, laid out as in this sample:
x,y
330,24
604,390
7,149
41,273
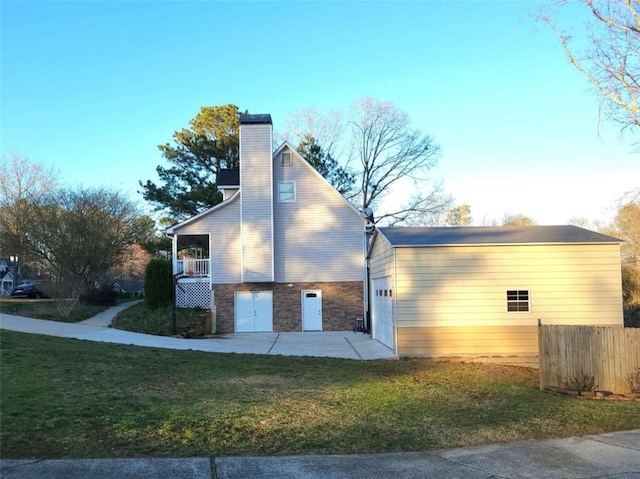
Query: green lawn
x,y
140,319
72,398
46,309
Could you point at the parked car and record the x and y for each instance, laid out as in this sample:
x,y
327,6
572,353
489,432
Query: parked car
x,y
28,290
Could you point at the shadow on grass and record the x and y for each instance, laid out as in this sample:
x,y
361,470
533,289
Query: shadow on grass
x,y
71,398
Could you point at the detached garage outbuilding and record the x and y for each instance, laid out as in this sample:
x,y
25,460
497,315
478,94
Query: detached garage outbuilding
x,y
476,291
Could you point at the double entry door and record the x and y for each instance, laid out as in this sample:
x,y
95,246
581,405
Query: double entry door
x,y
254,311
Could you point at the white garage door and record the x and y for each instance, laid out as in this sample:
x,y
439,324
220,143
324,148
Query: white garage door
x,y
382,311
254,311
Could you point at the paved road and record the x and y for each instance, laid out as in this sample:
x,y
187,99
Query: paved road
x,y
614,455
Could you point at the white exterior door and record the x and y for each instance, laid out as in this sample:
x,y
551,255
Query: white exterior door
x,y
382,311
263,308
254,311
312,310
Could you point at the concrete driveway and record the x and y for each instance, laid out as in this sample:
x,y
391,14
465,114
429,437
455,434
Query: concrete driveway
x,y
348,345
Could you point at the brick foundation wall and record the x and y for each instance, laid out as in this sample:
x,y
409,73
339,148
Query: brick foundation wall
x,y
341,303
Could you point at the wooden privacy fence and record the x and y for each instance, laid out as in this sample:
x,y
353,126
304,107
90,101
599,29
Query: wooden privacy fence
x,y
609,354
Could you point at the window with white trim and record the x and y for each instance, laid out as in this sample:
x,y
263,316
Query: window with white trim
x,y
518,301
286,158
286,191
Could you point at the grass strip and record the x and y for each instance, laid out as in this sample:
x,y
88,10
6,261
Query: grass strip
x,y
46,309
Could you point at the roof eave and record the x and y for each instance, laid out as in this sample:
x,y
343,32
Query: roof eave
x,y
556,243
170,231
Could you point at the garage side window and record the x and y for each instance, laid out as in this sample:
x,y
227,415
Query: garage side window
x,y
518,300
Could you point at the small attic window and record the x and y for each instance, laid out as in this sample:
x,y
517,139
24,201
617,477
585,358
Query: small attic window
x,y
286,158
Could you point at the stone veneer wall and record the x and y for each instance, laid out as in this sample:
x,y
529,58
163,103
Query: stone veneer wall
x,y
341,303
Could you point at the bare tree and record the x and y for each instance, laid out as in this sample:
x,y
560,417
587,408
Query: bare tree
x,y
579,221
611,61
421,209
326,128
81,234
388,150
23,186
375,141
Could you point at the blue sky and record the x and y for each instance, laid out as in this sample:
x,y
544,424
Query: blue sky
x,y
93,87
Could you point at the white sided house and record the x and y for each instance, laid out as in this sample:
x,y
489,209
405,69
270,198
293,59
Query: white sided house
x,y
284,251
479,291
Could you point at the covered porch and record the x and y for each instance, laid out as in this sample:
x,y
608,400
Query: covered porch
x,y
191,255
192,270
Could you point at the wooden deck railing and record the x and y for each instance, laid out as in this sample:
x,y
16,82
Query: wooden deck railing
x,y
194,267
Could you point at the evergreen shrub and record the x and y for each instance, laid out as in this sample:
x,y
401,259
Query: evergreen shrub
x,y
158,283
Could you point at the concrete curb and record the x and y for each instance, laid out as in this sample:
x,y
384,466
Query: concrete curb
x,y
605,455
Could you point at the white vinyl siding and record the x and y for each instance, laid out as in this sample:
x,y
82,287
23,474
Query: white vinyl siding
x,y
228,193
223,226
319,238
381,263
466,285
256,202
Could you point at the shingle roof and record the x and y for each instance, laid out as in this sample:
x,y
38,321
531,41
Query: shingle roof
x,y
129,285
261,118
482,235
228,177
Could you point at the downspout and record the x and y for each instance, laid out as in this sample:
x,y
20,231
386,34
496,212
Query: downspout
x,y
369,229
365,280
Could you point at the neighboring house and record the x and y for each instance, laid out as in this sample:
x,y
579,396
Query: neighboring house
x,y
478,291
284,251
129,287
6,277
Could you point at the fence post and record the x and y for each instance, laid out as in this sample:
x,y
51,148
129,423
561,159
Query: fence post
x,y
540,361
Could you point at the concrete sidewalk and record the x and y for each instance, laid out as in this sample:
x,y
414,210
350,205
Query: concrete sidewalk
x,y
336,344
606,455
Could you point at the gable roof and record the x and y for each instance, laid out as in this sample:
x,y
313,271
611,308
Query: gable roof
x,y
171,230
229,179
502,235
286,144
129,285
